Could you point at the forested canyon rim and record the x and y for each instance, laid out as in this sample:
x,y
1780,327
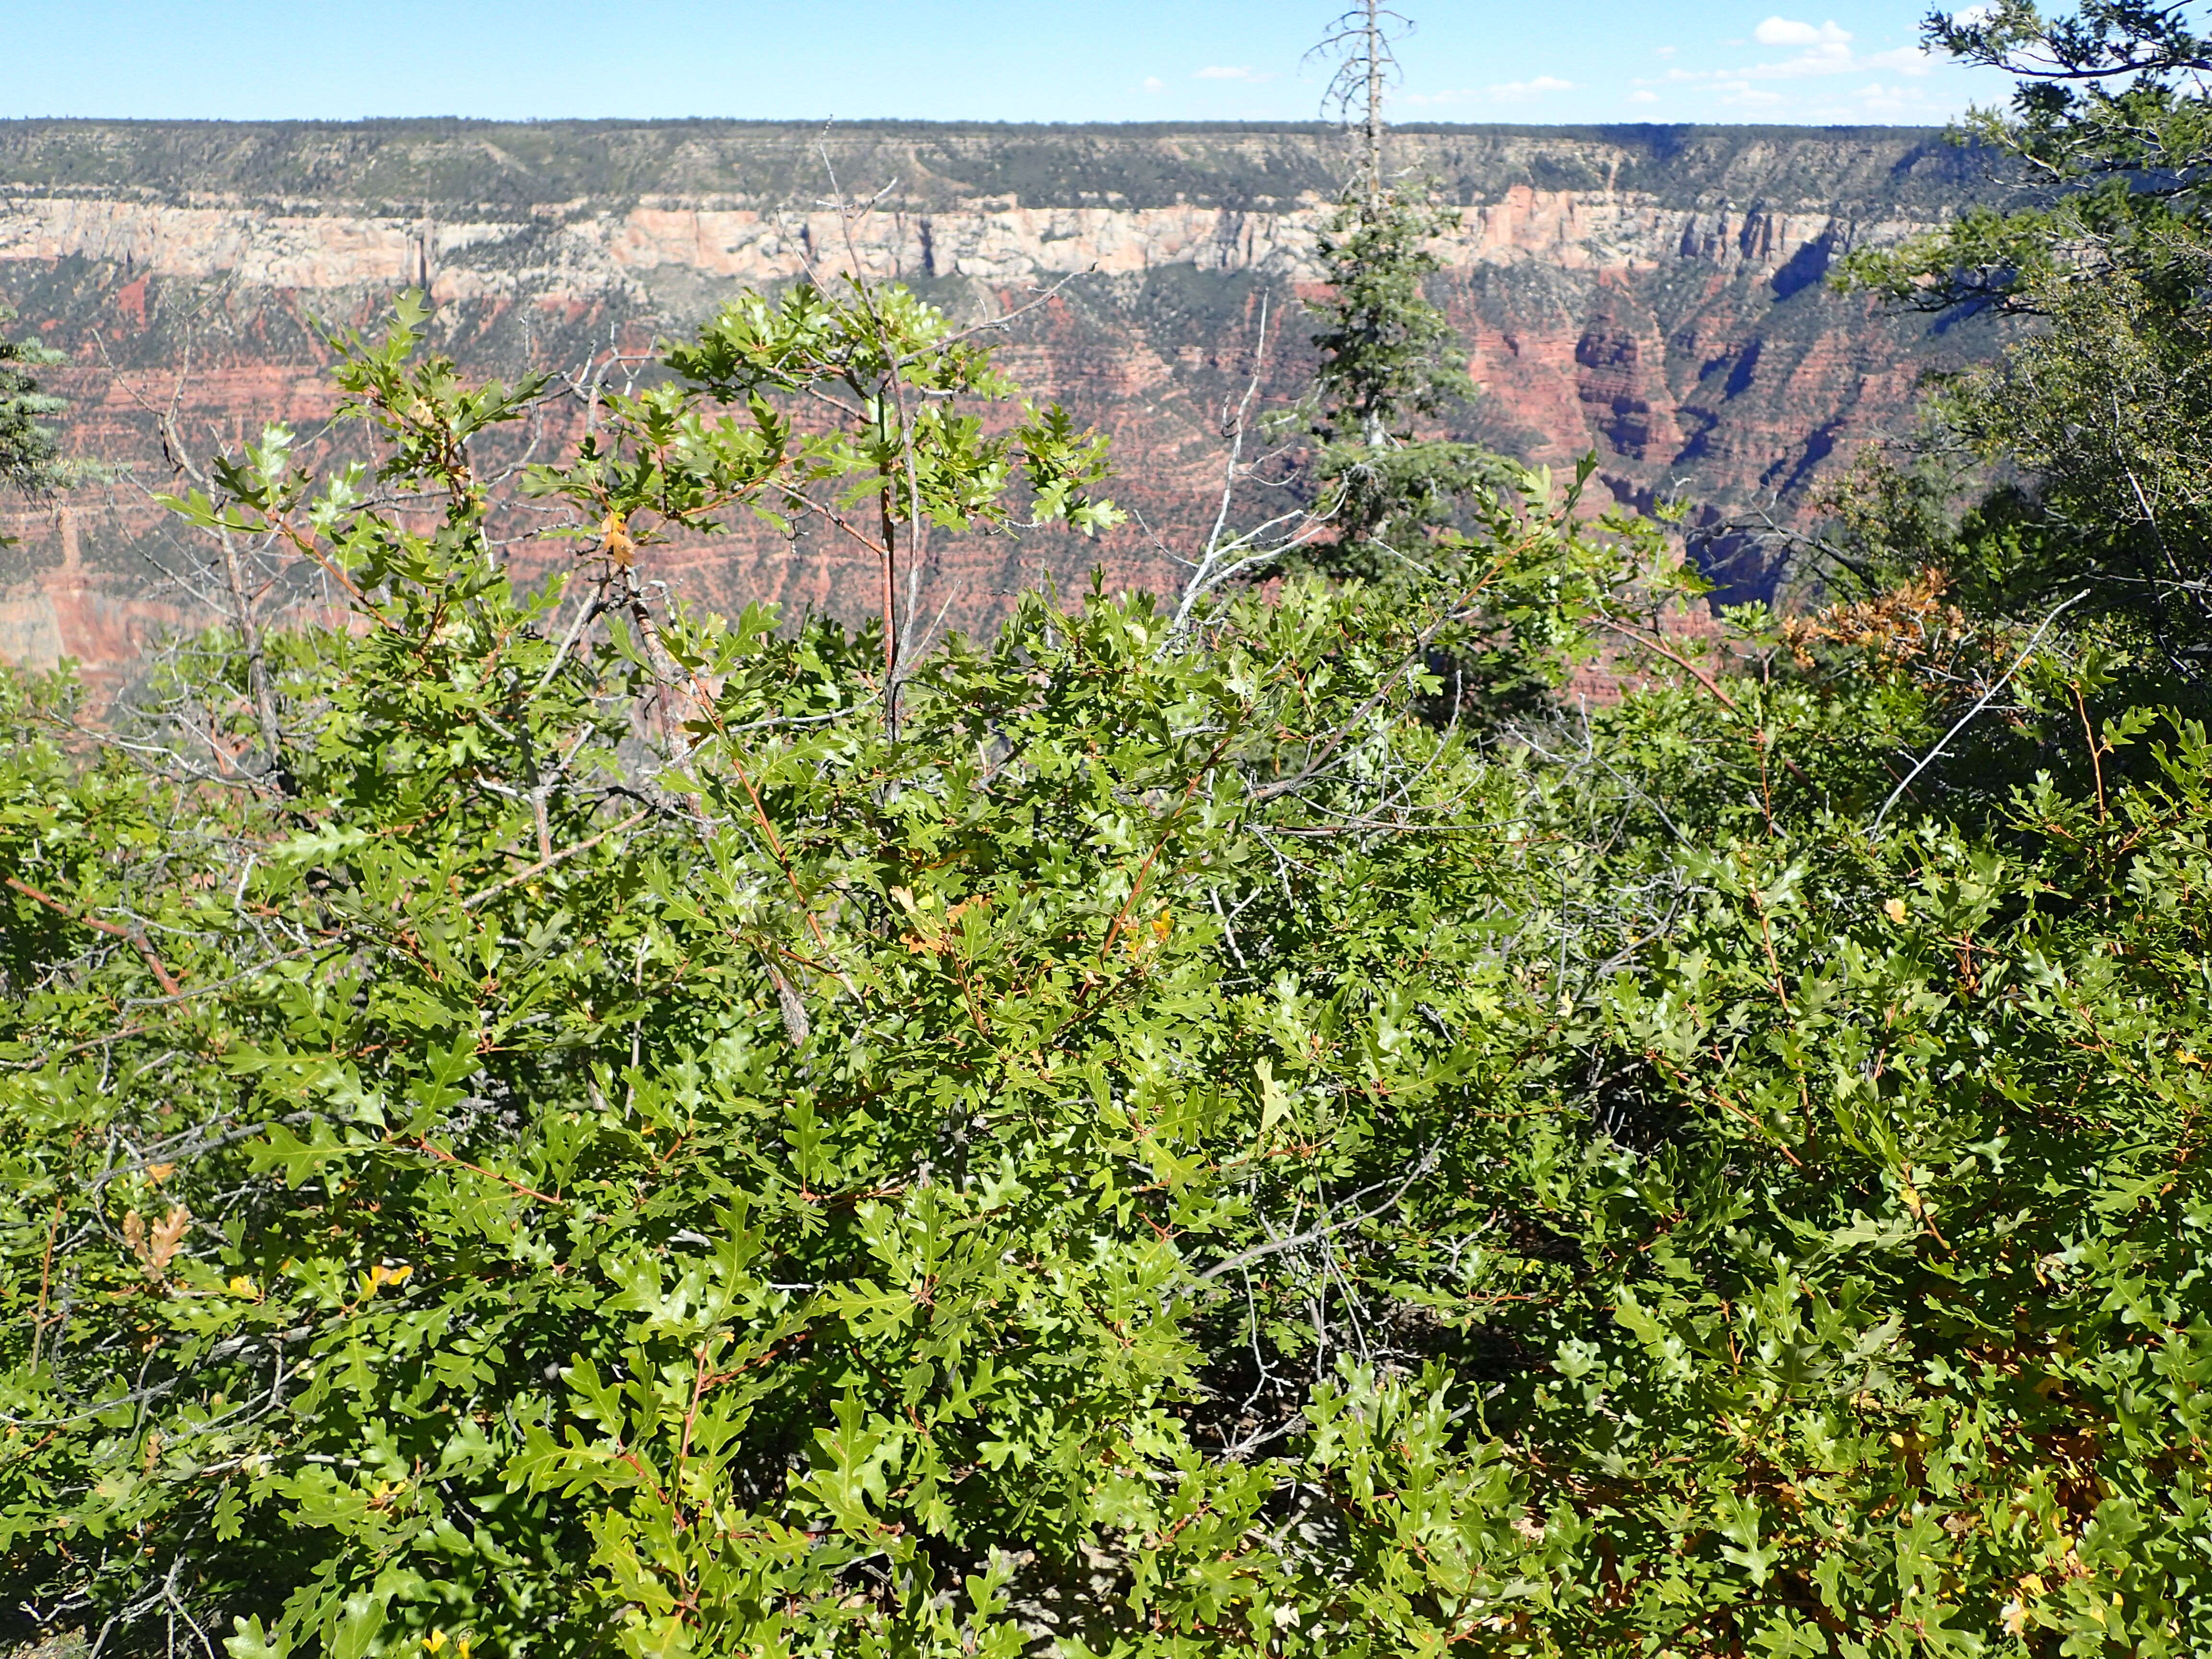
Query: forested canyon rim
x,y
1653,294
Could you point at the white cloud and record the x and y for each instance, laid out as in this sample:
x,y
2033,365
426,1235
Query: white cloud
x,y
1664,52
1230,72
1786,32
1153,83
1826,51
1801,75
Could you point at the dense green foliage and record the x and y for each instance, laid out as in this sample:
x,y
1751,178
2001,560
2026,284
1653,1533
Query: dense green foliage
x,y
1171,1152
534,1120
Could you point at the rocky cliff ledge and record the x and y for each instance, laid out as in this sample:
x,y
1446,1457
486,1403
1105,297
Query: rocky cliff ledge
x,y
1652,292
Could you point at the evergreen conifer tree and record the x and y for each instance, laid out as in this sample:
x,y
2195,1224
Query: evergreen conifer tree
x,y
1390,358
30,457
29,452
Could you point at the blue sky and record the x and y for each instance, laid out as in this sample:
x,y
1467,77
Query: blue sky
x,y
1013,60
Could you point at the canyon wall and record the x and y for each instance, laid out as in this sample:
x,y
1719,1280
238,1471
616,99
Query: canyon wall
x,y
1653,294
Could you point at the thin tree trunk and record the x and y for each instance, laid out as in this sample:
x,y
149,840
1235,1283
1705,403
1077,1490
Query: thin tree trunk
x,y
1374,105
891,611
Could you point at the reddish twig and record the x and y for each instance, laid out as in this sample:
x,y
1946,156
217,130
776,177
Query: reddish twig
x,y
420,1145
131,936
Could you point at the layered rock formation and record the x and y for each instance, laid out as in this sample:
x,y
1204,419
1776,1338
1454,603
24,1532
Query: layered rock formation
x,y
1651,293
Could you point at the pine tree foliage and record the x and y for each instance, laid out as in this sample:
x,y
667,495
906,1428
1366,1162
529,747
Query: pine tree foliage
x,y
1392,367
1389,362
2109,135
1385,346
29,448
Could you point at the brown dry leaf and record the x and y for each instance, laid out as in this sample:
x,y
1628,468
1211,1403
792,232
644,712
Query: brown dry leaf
x,y
615,541
167,1236
1907,626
